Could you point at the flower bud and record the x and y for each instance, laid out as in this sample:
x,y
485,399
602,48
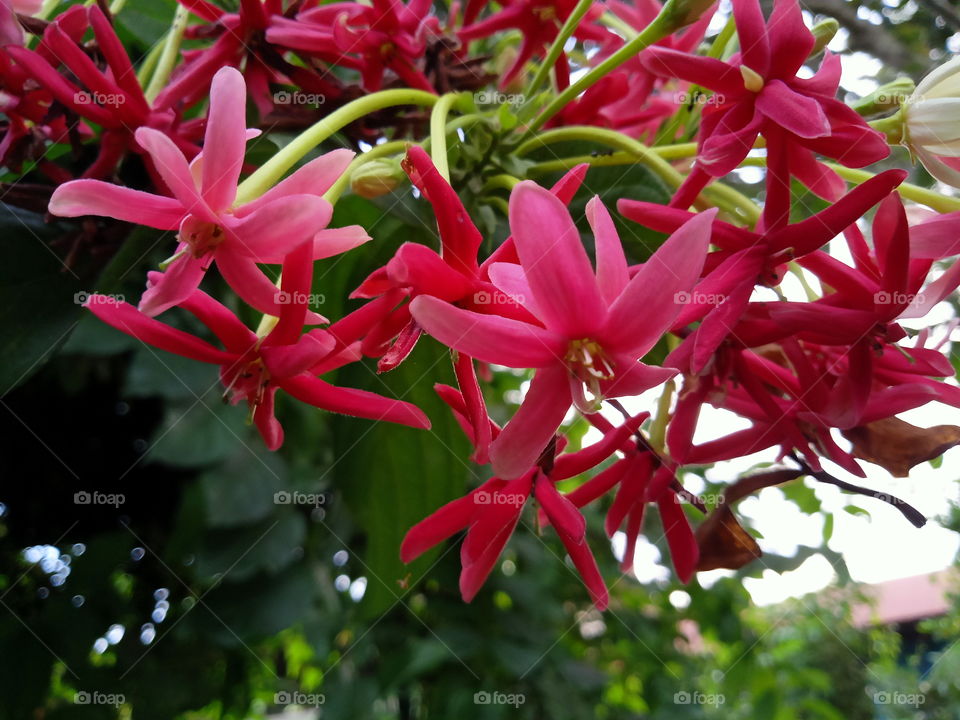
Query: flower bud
x,y
376,177
931,123
886,97
823,33
681,13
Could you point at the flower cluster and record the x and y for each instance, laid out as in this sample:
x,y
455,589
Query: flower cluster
x,y
702,320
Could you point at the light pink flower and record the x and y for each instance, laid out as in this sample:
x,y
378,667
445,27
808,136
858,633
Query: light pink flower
x,y
211,227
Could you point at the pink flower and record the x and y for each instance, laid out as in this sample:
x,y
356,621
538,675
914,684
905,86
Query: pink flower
x,y
10,31
211,227
253,368
592,331
759,92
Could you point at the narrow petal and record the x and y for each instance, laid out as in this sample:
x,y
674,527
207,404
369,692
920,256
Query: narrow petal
x,y
612,273
358,403
174,171
489,338
128,319
683,545
225,138
524,438
555,262
795,113
173,286
272,231
717,75
752,32
656,294
563,514
790,38
94,197
336,241
314,178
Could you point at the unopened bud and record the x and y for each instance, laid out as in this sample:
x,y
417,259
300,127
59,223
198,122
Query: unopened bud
x,y
680,13
823,33
886,97
375,178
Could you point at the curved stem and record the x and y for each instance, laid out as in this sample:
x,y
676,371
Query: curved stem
x,y
438,133
662,25
274,169
556,48
169,55
504,182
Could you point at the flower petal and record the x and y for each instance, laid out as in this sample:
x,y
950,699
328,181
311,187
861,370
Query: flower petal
x,y
174,171
612,273
94,197
350,401
524,438
795,113
225,138
273,230
174,285
555,262
489,338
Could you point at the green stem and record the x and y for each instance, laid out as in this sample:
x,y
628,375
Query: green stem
x,y
149,64
504,181
662,25
614,22
438,133
556,48
658,430
169,55
275,168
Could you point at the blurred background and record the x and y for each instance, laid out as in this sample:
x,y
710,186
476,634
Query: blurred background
x,y
157,562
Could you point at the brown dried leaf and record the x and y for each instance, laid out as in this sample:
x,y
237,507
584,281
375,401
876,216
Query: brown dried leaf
x,y
897,445
723,542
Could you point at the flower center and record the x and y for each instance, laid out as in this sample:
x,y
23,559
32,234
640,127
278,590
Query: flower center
x,y
752,80
588,365
248,382
202,237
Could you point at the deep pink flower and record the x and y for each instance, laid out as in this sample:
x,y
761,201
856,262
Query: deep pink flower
x,y
539,22
211,227
10,31
253,368
759,92
590,333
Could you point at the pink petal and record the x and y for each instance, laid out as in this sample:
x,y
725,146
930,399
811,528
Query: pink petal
x,y
174,171
174,285
358,403
752,32
93,197
555,262
683,545
612,273
314,178
128,319
586,565
656,294
267,424
249,282
336,241
795,113
511,279
790,39
711,73
225,138
287,360
632,377
489,338
443,523
417,266
524,438
273,230
562,513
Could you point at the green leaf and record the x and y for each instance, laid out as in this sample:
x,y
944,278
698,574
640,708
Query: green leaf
x,y
243,489
39,297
